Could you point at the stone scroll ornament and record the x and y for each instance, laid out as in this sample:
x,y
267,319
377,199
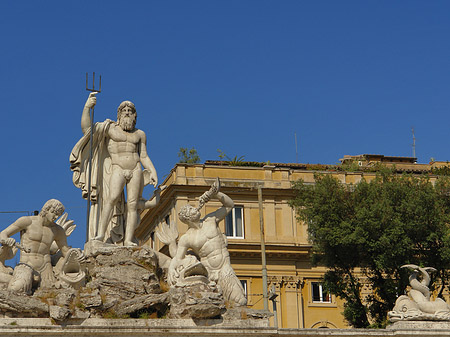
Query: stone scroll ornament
x,y
418,305
201,254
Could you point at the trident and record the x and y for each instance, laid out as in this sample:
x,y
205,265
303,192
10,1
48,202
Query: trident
x,y
91,112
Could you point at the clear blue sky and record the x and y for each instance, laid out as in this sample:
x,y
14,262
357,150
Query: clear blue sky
x,y
349,77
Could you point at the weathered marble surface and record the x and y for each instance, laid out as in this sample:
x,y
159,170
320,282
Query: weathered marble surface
x,y
198,300
124,282
419,325
201,328
123,272
134,327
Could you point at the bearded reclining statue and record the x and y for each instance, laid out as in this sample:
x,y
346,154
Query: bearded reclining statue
x,y
204,240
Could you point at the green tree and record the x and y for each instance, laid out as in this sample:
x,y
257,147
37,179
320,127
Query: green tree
x,y
188,156
364,233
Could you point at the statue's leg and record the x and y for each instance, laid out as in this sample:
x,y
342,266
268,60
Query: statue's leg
x,y
48,279
116,185
22,279
134,193
231,286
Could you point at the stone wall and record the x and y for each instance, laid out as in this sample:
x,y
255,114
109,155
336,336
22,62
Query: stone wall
x,y
207,328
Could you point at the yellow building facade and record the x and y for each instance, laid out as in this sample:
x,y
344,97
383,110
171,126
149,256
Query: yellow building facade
x,y
301,301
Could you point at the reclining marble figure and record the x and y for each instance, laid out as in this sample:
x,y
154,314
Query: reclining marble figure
x,y
39,232
119,150
206,240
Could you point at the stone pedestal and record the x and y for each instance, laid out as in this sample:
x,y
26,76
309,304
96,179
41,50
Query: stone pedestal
x,y
134,327
197,300
420,325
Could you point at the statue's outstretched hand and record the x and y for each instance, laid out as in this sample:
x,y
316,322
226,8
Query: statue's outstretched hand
x,y
153,179
215,187
10,242
172,274
92,100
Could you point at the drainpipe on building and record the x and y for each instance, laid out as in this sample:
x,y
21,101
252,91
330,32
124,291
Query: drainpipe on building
x,y
263,250
301,309
272,296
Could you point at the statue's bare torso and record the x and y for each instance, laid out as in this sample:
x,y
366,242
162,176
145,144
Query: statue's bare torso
x,y
123,146
209,244
38,237
38,234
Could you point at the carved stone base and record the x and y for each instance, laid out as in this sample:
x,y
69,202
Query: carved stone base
x,y
122,281
94,248
198,300
419,325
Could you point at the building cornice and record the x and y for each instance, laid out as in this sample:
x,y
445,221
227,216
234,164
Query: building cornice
x,y
246,250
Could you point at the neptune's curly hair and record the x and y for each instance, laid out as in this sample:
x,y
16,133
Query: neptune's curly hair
x,y
54,205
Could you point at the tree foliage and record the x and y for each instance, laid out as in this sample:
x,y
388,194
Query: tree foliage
x,y
188,156
235,161
365,232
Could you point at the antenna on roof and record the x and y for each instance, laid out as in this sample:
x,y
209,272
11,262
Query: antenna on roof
x,y
296,149
414,142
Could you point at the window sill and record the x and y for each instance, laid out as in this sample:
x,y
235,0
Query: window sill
x,y
322,304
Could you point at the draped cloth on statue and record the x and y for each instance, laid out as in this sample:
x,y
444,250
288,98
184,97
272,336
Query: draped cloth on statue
x,y
100,179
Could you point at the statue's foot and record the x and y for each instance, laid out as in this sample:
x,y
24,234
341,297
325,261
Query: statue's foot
x,y
99,238
129,243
